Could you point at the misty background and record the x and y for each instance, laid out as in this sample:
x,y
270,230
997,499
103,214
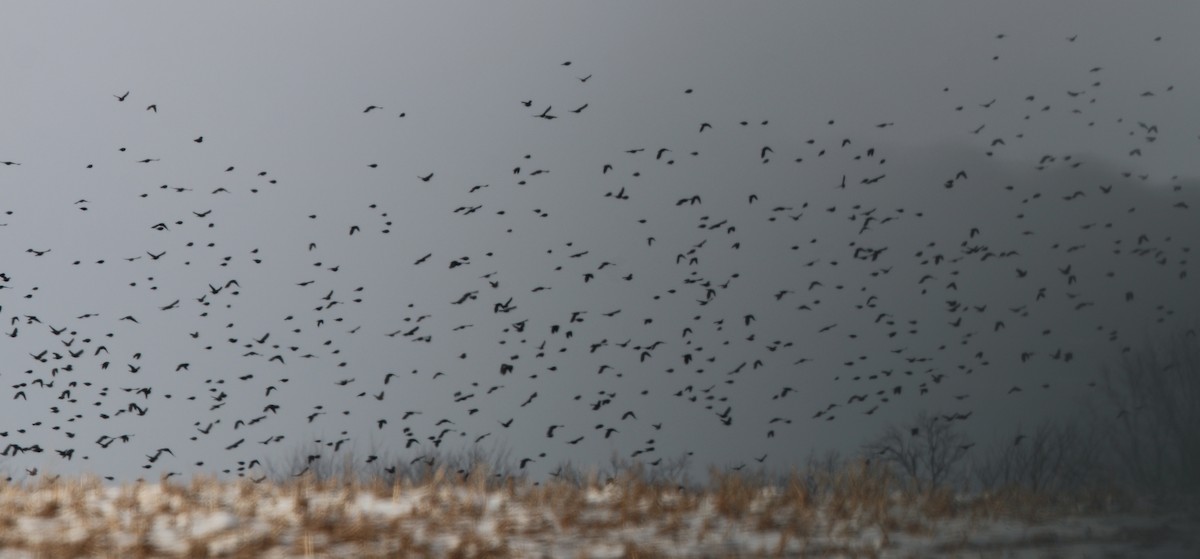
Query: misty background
x,y
1017,209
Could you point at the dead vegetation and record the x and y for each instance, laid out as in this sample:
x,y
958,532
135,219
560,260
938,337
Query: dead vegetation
x,y
625,512
469,505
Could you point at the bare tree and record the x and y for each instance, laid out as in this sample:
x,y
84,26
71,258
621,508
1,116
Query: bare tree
x,y
1153,414
1053,458
820,471
926,451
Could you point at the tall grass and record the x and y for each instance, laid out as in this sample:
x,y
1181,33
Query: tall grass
x,y
466,506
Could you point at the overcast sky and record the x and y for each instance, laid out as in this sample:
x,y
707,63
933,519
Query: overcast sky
x,y
1018,179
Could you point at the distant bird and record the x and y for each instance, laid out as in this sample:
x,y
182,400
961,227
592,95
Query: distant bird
x,y
123,96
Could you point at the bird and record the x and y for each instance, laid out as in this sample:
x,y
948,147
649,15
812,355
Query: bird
x,y
123,96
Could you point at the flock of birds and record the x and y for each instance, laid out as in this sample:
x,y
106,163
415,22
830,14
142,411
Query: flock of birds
x,y
732,347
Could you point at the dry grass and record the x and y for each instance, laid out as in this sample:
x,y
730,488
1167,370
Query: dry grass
x,y
474,514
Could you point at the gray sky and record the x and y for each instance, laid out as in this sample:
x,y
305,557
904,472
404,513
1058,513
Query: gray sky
x,y
859,90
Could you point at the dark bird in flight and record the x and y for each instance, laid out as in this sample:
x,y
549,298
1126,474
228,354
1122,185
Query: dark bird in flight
x,y
122,98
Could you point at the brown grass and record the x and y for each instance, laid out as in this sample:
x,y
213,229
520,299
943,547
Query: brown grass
x,y
312,516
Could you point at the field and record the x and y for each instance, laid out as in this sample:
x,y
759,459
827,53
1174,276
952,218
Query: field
x,y
859,511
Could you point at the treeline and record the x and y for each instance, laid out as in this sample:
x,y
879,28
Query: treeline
x,y
1141,436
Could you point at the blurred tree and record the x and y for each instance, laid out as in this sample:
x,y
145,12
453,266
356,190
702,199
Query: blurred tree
x,y
1153,414
1053,458
926,451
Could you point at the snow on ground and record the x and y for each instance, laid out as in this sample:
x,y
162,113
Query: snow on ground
x,y
84,518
